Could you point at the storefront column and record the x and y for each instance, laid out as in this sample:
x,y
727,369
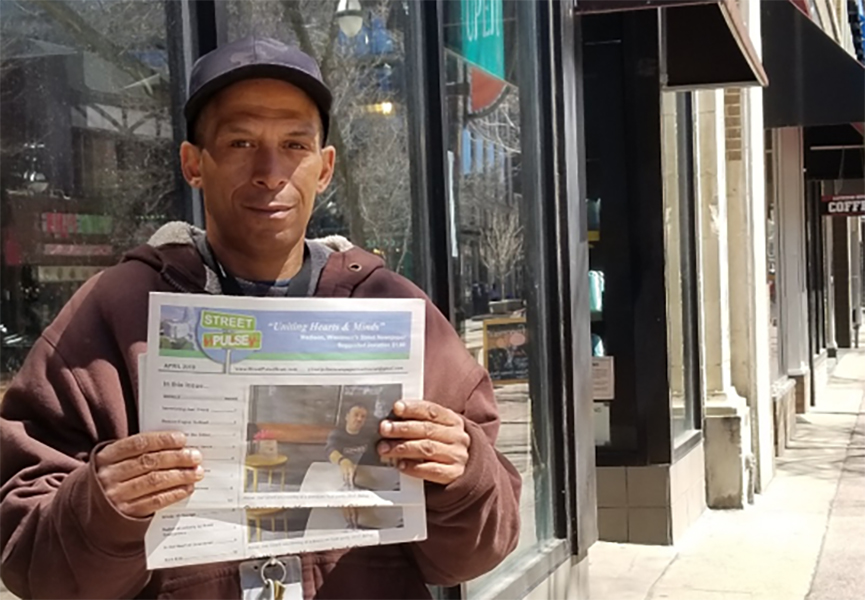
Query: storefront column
x,y
792,261
749,294
727,435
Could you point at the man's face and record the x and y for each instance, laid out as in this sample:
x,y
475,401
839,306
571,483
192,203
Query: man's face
x,y
260,164
355,420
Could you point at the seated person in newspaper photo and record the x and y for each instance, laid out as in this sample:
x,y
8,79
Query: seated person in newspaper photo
x,y
81,482
347,443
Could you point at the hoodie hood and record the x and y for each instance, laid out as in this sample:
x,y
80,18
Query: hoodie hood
x,y
172,251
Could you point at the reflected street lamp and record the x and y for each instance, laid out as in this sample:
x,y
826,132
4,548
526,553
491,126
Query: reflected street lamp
x,y
349,17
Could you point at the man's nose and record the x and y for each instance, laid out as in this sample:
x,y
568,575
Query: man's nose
x,y
271,171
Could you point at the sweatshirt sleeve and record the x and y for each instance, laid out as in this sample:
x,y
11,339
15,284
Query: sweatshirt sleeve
x,y
61,537
473,523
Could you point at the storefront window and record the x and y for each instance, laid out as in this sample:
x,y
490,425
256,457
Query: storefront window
x,y
493,271
369,200
680,259
773,272
89,161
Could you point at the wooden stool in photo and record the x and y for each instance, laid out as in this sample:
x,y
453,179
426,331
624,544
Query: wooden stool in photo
x,y
257,462
256,516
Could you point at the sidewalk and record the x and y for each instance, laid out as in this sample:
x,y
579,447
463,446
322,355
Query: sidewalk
x,y
804,538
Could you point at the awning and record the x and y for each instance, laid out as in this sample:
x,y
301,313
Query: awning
x,y
834,152
707,43
813,80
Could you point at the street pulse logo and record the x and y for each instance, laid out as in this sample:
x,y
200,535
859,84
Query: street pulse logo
x,y
235,332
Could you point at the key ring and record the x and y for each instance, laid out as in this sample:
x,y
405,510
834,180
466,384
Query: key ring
x,y
273,562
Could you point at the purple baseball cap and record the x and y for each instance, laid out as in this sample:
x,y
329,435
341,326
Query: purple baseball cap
x,y
255,58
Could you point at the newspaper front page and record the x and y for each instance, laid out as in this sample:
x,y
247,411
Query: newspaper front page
x,y
276,393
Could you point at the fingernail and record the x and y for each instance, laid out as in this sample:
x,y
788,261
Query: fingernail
x,y
199,472
402,465
386,427
383,448
399,407
195,456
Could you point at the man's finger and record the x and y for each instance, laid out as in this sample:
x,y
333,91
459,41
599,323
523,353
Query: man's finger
x,y
425,450
423,410
432,471
422,430
145,507
131,468
152,483
138,444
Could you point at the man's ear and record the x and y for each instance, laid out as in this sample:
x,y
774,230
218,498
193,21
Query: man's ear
x,y
328,159
190,164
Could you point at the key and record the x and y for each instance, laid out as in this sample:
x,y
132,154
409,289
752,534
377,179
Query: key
x,y
269,591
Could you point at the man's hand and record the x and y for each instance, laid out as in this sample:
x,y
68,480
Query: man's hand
x,y
430,442
347,467
148,471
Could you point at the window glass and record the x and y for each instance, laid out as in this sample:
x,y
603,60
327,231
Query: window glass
x,y
89,161
680,264
773,274
492,272
363,60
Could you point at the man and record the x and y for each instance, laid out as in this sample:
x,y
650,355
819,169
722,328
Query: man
x,y
346,445
80,484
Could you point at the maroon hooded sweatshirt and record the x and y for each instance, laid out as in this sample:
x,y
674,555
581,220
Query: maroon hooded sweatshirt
x,y
61,538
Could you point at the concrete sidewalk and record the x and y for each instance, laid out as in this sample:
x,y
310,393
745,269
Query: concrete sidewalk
x,y
803,538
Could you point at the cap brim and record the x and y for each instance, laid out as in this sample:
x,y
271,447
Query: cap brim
x,y
315,89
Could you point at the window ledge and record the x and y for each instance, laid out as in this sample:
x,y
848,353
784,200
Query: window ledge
x,y
527,573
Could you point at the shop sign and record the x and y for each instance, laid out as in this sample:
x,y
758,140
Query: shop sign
x,y
482,35
77,250
848,205
65,273
65,224
506,350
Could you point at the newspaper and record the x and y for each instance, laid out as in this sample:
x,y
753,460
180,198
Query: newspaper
x,y
176,537
272,392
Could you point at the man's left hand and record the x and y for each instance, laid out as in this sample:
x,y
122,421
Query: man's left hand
x,y
429,441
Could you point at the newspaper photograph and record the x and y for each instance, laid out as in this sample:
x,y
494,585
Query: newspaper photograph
x,y
181,537
284,397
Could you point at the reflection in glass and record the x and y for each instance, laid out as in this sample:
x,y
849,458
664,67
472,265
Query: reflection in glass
x,y
488,218
772,273
87,156
369,200
679,232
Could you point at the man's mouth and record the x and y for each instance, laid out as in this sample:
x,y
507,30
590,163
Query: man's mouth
x,y
274,210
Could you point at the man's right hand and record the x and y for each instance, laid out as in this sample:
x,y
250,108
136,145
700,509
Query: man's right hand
x,y
148,471
347,467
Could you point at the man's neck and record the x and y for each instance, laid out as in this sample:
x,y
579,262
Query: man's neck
x,y
254,268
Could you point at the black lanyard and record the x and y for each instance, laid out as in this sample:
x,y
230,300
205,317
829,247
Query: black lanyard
x,y
298,287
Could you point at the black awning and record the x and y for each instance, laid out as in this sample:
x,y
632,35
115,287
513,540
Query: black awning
x,y
834,152
707,43
813,81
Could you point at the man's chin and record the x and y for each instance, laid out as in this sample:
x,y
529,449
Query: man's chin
x,y
269,242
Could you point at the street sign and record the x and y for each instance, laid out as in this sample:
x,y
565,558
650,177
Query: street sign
x,y
846,205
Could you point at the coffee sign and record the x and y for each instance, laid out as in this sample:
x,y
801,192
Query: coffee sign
x,y
848,205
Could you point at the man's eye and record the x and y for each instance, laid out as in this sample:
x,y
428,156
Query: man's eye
x,y
241,144
295,146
